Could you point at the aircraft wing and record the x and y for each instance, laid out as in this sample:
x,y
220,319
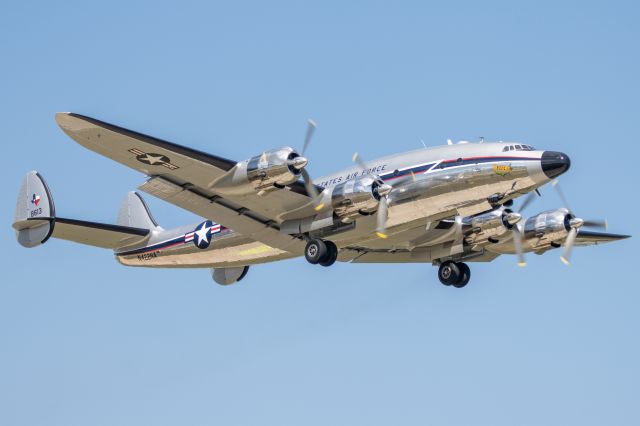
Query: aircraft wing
x,y
186,176
590,238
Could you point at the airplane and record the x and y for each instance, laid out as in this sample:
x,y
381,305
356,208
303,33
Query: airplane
x,y
447,205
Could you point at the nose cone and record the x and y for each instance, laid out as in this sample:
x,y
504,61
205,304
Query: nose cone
x,y
554,163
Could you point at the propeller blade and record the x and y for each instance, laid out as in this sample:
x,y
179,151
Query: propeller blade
x,y
458,224
311,190
528,199
311,127
383,212
404,179
556,185
568,245
517,242
356,159
596,223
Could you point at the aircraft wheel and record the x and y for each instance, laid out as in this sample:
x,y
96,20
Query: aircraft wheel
x,y
449,273
465,275
315,251
332,254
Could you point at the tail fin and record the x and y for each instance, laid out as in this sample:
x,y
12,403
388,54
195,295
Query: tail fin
x,y
35,212
135,213
35,221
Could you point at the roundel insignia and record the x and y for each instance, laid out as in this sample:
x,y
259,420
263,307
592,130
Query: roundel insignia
x,y
150,158
153,159
202,234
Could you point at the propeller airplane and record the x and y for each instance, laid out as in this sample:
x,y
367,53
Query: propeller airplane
x,y
447,205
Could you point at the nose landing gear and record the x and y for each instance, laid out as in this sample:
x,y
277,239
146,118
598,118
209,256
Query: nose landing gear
x,y
321,252
452,273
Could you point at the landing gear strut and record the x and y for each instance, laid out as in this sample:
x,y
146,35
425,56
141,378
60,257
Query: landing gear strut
x,y
452,273
321,252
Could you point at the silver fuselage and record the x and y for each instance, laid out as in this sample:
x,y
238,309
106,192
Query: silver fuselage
x,y
458,179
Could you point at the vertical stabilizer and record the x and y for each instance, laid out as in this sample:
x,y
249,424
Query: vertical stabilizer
x,y
135,213
35,213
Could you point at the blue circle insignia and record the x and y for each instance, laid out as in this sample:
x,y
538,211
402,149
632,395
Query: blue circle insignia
x,y
202,234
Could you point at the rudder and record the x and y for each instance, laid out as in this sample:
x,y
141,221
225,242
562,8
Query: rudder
x,y
135,213
35,211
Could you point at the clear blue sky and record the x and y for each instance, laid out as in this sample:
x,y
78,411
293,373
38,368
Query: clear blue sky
x,y
84,340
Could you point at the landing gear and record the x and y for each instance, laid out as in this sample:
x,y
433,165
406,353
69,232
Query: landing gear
x,y
452,273
321,252
332,254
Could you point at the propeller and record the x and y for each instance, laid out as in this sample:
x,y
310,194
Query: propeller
x,y
381,189
574,224
300,162
515,219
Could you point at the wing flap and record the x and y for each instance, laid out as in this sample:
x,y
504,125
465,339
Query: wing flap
x,y
237,218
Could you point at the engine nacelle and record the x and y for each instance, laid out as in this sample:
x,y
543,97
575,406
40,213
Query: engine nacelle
x,y
548,227
357,197
490,225
274,169
228,276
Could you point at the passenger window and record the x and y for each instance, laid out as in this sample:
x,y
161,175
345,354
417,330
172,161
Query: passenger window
x,y
396,172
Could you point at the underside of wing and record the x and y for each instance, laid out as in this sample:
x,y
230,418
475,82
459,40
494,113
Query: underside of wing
x,y
232,216
196,172
590,238
147,154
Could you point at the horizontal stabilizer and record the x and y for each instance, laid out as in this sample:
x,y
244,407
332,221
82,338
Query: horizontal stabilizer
x,y
97,234
35,221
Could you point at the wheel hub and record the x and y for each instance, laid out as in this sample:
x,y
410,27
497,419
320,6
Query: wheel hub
x,y
446,272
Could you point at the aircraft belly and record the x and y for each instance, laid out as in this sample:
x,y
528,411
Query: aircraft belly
x,y
217,256
429,201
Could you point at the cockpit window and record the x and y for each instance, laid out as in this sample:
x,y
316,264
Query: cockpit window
x,y
518,148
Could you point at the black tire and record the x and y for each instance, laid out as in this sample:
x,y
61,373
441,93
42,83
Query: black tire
x,y
332,254
449,273
465,275
315,251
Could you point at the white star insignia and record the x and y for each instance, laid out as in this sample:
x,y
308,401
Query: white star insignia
x,y
152,159
202,234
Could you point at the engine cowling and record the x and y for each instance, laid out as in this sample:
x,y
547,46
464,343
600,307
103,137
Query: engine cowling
x,y
357,197
490,225
548,227
274,169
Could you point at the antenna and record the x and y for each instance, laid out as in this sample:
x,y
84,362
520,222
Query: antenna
x,y
449,142
481,139
423,144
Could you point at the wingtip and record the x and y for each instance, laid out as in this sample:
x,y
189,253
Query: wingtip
x,y
62,118
564,260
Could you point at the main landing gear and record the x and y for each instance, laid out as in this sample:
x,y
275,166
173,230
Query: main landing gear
x,y
321,252
452,273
